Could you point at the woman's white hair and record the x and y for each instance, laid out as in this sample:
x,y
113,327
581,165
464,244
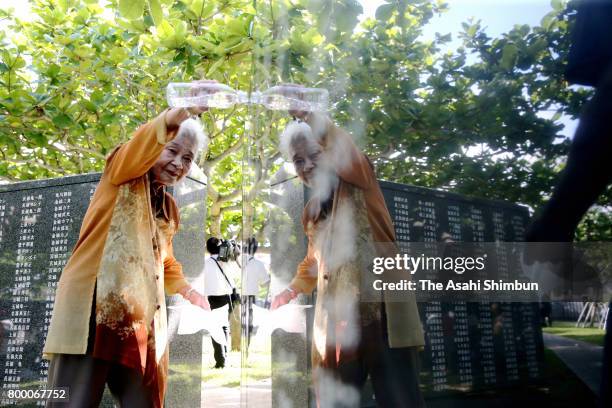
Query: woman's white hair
x,y
294,130
193,128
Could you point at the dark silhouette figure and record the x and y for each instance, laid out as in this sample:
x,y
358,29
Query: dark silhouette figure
x,y
546,312
588,170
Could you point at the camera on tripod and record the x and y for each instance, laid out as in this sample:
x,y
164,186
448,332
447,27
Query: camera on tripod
x,y
228,250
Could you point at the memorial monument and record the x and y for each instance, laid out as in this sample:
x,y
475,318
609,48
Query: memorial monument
x,y
469,345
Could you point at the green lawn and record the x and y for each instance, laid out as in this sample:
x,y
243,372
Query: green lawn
x,y
568,329
258,367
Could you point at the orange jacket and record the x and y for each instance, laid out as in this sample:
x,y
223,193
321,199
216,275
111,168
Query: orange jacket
x,y
117,237
357,182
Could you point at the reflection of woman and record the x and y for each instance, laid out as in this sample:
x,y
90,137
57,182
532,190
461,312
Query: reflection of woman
x,y
109,318
346,220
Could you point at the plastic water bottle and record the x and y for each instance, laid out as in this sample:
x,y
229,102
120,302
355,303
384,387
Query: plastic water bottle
x,y
215,95
285,97
202,94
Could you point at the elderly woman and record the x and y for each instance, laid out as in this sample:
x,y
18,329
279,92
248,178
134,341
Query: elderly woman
x,y
347,224
109,318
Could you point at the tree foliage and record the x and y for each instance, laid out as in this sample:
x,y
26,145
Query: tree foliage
x,y
484,119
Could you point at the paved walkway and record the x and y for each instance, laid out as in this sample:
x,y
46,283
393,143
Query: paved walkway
x,y
584,359
256,395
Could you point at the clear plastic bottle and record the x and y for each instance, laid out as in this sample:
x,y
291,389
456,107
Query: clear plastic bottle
x,y
215,95
201,94
288,97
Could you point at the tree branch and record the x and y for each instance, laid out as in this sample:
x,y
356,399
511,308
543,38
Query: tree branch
x,y
43,165
8,179
80,149
234,207
214,161
229,197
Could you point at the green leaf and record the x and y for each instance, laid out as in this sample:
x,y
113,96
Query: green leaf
x,y
384,12
90,106
38,139
196,6
172,37
118,55
131,9
539,45
97,96
215,66
557,5
547,21
237,27
3,67
83,51
165,30
472,29
19,63
156,11
345,15
62,120
509,54
53,70
180,31
107,119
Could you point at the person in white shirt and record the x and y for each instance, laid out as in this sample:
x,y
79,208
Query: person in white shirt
x,y
256,275
218,289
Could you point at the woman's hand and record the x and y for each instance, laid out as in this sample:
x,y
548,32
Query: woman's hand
x,y
176,116
294,91
194,297
198,300
283,298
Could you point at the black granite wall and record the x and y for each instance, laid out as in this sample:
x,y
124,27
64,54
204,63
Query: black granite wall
x,y
470,345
